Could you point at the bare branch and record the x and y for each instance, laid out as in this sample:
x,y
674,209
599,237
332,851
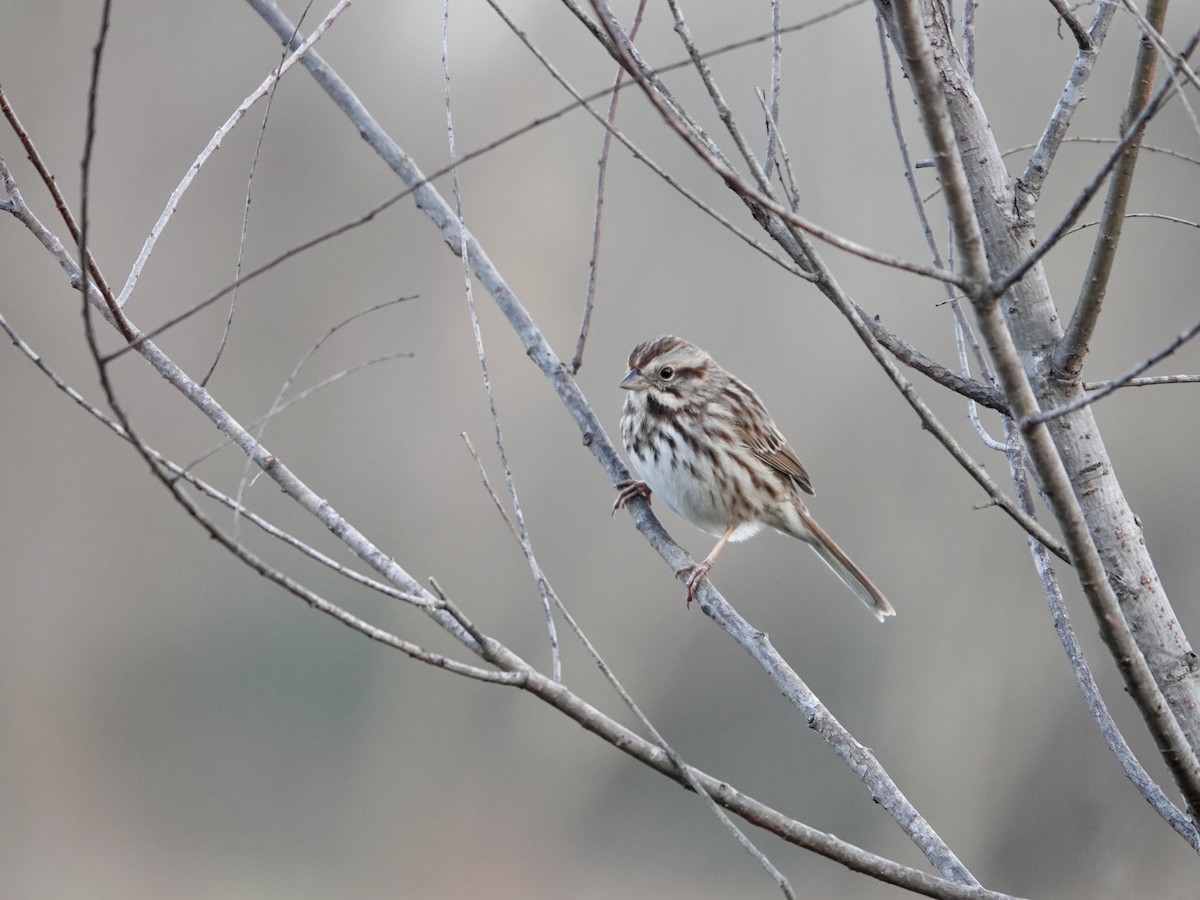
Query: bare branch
x,y
827,284
1089,191
237,270
64,211
215,142
1029,185
1143,382
985,395
1106,388
1073,347
1083,675
1157,712
1082,38
457,238
601,175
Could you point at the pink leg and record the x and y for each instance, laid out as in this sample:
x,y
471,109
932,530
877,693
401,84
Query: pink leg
x,y
700,570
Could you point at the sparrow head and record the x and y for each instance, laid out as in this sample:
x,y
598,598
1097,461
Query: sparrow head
x,y
668,366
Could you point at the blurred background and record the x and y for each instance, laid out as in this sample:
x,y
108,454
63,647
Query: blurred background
x,y
174,725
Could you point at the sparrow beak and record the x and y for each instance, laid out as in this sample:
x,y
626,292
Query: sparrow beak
x,y
633,381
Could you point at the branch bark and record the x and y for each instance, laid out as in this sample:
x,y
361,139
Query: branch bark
x,y
1022,331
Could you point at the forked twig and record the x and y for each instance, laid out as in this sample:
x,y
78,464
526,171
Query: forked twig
x,y
215,142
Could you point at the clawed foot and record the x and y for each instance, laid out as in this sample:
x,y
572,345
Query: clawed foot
x,y
699,573
627,490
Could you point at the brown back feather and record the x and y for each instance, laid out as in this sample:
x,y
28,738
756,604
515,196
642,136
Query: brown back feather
x,y
772,449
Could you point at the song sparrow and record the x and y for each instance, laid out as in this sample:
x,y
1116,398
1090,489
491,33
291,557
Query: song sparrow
x,y
706,445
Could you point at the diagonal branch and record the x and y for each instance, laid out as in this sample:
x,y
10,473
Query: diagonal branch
x,y
1029,185
64,211
215,142
514,670
558,374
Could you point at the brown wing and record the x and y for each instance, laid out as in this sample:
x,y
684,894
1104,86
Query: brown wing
x,y
772,449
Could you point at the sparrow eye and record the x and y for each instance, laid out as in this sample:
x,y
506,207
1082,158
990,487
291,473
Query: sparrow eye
x,y
666,373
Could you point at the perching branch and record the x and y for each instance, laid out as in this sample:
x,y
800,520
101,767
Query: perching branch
x,y
458,238
512,669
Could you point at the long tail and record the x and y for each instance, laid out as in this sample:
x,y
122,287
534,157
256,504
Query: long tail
x,y
843,566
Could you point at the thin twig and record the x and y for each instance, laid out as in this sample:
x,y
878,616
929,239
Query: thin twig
x,y
1028,187
64,211
464,254
1108,387
787,177
1174,220
724,113
237,270
960,343
215,142
1143,382
1001,285
601,176
1129,763
259,426
1072,348
301,396
776,88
